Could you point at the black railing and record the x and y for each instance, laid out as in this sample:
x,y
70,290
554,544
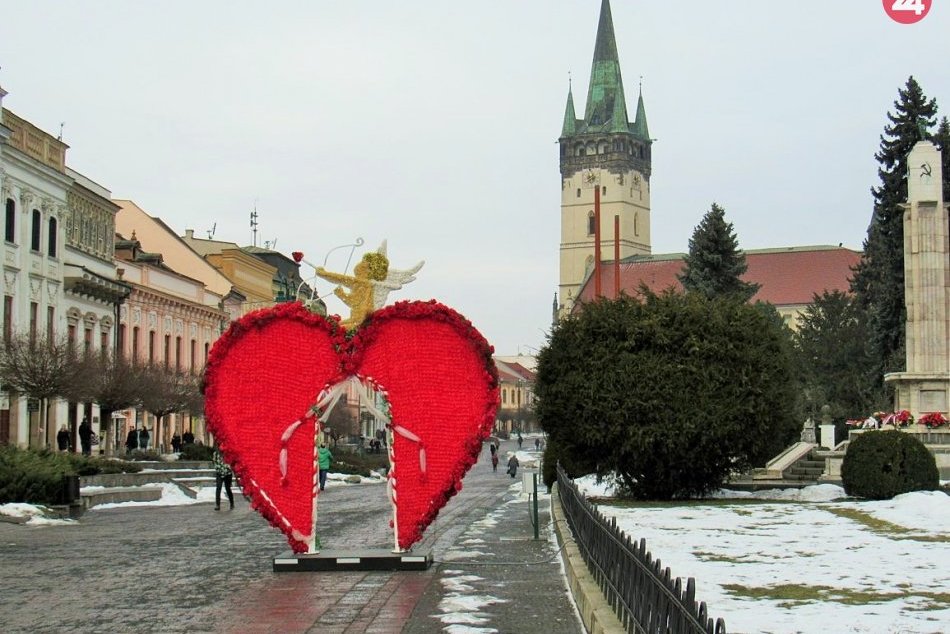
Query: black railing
x,y
641,592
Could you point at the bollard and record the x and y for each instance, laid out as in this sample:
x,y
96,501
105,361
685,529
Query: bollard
x,y
70,489
534,478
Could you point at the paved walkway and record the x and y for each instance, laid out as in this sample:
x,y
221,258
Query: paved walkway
x,y
191,569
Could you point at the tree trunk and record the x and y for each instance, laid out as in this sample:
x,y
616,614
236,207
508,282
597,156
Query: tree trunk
x,y
108,440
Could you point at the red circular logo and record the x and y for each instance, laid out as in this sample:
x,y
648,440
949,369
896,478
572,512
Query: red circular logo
x,y
907,11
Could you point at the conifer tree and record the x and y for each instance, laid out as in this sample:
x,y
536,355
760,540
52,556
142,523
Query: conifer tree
x,y
942,141
714,264
878,280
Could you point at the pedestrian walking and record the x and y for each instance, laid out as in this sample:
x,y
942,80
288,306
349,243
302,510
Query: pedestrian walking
x,y
520,440
85,437
494,456
143,439
537,444
132,440
323,460
62,438
222,475
176,443
188,438
513,465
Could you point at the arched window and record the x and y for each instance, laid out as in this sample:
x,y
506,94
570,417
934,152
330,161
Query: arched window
x,y
37,230
590,223
51,238
10,233
636,224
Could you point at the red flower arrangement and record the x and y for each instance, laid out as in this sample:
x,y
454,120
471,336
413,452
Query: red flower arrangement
x,y
933,420
266,372
900,418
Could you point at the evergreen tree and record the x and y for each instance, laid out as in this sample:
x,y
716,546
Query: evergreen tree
x,y
673,393
833,358
714,263
942,141
878,280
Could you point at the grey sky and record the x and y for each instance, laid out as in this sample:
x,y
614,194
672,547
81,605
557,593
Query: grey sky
x,y
433,124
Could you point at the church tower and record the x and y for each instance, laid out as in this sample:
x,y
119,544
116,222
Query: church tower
x,y
603,150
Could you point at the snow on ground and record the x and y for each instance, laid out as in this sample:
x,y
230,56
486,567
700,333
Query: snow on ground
x,y
37,514
808,560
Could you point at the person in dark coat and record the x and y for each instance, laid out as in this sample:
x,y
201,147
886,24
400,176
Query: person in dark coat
x,y
85,437
176,443
494,456
188,438
62,438
132,440
143,439
513,465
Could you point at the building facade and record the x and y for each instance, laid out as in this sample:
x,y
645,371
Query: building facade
x,y
605,162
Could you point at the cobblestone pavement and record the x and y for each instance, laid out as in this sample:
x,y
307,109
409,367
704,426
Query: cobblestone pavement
x,y
191,569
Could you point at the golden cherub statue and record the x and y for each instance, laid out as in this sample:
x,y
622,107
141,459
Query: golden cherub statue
x,y
370,284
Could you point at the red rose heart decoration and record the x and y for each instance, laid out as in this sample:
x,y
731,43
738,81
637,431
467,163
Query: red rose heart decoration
x,y
267,371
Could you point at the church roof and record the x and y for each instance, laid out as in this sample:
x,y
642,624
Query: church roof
x,y
606,108
789,276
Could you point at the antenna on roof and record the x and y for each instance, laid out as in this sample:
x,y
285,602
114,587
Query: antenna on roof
x,y
212,230
270,244
254,222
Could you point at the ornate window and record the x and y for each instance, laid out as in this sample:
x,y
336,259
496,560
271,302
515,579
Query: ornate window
x,y
37,230
591,229
51,238
10,234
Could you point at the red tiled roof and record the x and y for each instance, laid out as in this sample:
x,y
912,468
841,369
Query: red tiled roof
x,y
787,277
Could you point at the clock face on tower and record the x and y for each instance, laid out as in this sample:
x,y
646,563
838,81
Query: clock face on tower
x,y
590,177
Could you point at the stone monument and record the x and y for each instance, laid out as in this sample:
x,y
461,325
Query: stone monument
x,y
925,385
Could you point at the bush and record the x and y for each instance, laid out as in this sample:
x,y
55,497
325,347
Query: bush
x,y
196,452
553,454
144,456
36,477
881,464
358,463
672,393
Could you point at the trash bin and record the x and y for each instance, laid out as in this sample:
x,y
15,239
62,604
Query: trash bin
x,y
70,489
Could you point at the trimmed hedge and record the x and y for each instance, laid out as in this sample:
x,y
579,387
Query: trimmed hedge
x,y
36,477
196,452
358,463
882,464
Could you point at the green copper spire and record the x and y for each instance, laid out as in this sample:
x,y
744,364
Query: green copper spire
x,y
570,119
606,85
618,119
640,125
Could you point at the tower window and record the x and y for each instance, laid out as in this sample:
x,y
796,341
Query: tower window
x,y
636,224
603,190
590,223
641,152
578,192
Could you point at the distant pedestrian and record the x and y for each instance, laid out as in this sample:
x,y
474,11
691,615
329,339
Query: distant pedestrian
x,y
132,440
494,456
520,440
323,460
537,444
143,439
188,438
85,437
176,443
222,475
62,438
513,465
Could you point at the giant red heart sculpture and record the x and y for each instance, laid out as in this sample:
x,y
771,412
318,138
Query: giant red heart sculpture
x,y
266,372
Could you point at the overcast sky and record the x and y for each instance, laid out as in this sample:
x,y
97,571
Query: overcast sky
x,y
434,124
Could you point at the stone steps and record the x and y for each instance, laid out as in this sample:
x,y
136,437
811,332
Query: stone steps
x,y
115,495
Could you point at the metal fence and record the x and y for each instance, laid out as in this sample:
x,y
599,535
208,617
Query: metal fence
x,y
641,592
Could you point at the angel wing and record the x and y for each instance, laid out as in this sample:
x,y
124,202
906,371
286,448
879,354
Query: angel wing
x,y
394,281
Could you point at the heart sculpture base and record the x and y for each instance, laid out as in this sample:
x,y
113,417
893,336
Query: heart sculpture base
x,y
365,559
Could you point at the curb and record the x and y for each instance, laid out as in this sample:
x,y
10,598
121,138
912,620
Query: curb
x,y
596,613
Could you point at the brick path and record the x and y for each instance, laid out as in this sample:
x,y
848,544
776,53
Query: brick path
x,y
191,569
